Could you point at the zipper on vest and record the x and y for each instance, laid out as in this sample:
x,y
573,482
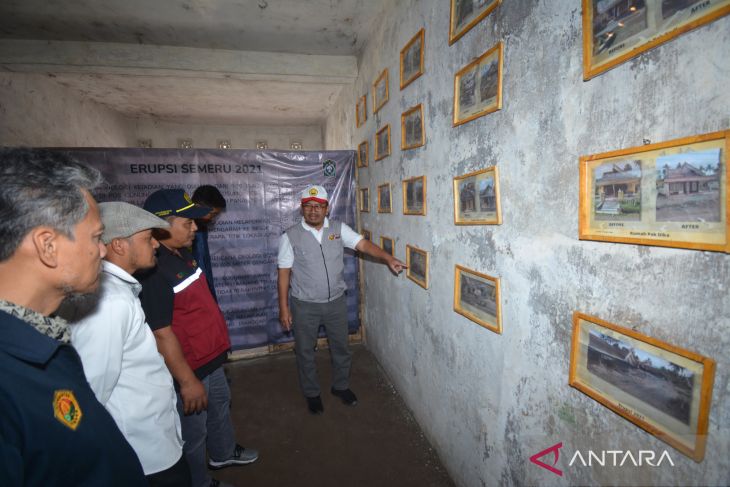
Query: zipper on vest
x,y
327,273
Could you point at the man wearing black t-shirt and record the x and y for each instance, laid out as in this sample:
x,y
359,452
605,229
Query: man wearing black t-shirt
x,y
192,336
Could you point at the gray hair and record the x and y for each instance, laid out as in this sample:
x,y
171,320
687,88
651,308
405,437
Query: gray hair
x,y
40,188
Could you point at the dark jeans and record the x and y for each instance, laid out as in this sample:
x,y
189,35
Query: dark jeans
x,y
176,476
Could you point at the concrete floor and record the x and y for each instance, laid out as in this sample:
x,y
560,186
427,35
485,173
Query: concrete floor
x,y
374,444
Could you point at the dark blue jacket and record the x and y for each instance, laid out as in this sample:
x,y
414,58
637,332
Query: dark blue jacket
x,y
201,254
53,431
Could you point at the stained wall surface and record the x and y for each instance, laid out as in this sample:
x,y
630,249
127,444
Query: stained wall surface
x,y
488,402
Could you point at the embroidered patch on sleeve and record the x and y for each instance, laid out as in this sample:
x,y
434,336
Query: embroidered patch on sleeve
x,y
66,408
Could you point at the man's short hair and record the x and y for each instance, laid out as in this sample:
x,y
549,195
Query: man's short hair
x,y
209,196
40,188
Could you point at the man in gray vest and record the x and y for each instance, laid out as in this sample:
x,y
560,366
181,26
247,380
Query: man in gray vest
x,y
311,262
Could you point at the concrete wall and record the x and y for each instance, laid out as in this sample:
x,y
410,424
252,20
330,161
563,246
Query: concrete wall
x,y
488,402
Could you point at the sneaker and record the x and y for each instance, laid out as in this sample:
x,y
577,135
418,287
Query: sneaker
x,y
314,404
241,456
348,397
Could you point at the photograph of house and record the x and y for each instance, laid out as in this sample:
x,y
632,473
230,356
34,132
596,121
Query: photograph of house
x,y
617,191
688,187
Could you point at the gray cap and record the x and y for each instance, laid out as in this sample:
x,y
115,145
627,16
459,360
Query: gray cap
x,y
122,220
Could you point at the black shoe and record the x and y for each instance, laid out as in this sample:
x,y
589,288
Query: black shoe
x,y
314,404
348,397
241,456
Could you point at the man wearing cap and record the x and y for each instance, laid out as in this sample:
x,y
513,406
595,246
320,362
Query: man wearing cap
x,y
119,351
311,262
192,336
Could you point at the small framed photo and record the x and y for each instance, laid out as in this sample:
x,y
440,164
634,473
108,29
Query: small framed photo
x,y
476,198
414,196
380,91
387,244
661,388
366,234
411,59
382,143
476,296
618,31
417,262
412,134
670,194
385,203
478,87
465,14
362,154
365,200
361,110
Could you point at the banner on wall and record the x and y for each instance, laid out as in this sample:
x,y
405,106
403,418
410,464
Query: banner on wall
x,y
262,191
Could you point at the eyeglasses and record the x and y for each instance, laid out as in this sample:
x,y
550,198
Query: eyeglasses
x,y
314,207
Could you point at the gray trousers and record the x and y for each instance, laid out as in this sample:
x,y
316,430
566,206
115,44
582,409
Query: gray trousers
x,y
307,318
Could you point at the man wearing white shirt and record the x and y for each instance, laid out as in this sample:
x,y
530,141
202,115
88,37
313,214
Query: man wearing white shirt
x,y
311,263
119,351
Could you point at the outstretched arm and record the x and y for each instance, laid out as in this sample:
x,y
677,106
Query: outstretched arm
x,y
367,247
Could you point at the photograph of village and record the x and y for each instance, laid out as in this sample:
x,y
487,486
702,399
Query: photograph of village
x,y
412,126
417,262
476,195
688,187
477,87
414,197
617,191
477,298
411,59
644,376
464,12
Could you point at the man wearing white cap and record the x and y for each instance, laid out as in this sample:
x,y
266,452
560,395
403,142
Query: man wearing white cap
x,y
119,351
311,264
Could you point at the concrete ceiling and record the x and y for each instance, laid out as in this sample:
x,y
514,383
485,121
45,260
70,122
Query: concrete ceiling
x,y
273,62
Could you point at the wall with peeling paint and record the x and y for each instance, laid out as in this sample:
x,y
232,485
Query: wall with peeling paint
x,y
488,402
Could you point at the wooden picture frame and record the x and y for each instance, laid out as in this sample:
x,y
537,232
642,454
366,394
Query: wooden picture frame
x,y
476,198
382,143
363,151
478,86
412,132
387,244
477,297
669,194
361,111
380,91
385,199
365,200
627,29
463,16
414,196
664,389
411,59
417,261
366,234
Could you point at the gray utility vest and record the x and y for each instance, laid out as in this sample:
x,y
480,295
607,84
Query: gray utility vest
x,y
317,275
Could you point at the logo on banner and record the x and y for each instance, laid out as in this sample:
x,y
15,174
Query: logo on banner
x,y
329,168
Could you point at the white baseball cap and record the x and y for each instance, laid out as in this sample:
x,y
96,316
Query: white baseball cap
x,y
315,193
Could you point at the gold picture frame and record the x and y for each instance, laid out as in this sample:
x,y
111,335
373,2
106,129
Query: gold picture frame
x,y
417,261
387,244
463,16
365,200
664,389
363,151
361,111
669,194
411,59
380,91
476,198
382,143
627,29
414,196
477,297
412,133
385,198
478,86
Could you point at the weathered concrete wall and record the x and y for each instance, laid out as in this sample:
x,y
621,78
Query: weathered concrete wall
x,y
488,402
35,111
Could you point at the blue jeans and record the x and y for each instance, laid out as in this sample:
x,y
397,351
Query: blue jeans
x,y
211,428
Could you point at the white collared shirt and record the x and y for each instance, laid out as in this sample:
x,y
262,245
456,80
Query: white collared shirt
x,y
350,239
127,373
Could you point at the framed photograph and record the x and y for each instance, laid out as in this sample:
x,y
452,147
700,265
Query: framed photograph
x,y
616,31
362,154
382,143
412,134
670,194
367,235
380,91
465,14
661,388
417,262
387,244
411,59
361,110
476,198
385,203
476,296
365,200
414,196
478,86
